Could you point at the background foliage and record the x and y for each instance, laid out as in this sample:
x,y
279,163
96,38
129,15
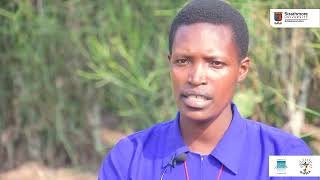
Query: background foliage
x,y
68,66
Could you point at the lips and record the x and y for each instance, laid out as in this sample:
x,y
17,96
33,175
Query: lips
x,y
195,99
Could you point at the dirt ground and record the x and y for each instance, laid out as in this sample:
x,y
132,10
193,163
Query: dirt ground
x,y
36,171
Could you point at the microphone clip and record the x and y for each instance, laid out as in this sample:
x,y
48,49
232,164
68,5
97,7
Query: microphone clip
x,y
177,159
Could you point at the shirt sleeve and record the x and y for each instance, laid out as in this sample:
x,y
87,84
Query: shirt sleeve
x,y
116,164
298,148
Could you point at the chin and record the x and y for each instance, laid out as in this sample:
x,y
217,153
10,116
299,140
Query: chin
x,y
196,115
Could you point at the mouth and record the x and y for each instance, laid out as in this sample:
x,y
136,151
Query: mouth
x,y
196,100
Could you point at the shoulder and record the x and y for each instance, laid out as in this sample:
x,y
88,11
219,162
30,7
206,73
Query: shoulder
x,y
135,142
117,163
281,142
143,137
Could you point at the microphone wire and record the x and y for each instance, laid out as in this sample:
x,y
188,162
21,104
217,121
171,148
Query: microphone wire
x,y
186,170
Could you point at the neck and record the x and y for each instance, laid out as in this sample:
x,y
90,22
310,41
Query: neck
x,y
202,136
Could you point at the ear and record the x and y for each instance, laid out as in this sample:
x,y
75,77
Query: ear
x,y
243,69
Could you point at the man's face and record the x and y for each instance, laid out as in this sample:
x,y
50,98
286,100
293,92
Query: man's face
x,y
205,69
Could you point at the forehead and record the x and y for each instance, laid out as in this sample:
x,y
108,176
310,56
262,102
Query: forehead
x,y
204,36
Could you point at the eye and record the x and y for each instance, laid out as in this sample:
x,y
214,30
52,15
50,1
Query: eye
x,y
181,61
216,64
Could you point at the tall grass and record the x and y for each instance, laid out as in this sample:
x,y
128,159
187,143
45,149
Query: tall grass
x,y
44,103
130,61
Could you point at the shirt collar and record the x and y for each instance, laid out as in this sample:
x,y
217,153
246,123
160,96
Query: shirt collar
x,y
229,149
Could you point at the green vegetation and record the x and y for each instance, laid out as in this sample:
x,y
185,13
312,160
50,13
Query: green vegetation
x,y
65,66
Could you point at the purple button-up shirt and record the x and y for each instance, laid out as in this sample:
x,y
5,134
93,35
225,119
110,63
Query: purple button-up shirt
x,y
243,151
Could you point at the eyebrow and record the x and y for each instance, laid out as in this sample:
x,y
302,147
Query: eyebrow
x,y
209,57
206,57
181,55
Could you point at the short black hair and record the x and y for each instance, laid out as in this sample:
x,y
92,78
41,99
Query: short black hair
x,y
213,12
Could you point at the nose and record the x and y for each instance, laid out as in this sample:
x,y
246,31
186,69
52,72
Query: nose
x,y
198,75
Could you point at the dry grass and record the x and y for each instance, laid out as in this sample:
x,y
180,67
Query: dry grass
x,y
37,171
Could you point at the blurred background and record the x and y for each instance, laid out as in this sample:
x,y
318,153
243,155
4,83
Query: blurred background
x,y
76,76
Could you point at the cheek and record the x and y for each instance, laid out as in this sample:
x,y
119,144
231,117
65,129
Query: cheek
x,y
222,74
224,82
175,82
178,78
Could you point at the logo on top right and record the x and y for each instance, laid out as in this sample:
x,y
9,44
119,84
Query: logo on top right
x,y
293,18
277,16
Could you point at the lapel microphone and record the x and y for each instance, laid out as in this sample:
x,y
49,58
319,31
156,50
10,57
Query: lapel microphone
x,y
175,160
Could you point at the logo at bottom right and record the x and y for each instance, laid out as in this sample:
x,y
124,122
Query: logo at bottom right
x,y
305,166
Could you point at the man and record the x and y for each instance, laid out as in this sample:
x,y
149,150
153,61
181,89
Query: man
x,y
208,139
